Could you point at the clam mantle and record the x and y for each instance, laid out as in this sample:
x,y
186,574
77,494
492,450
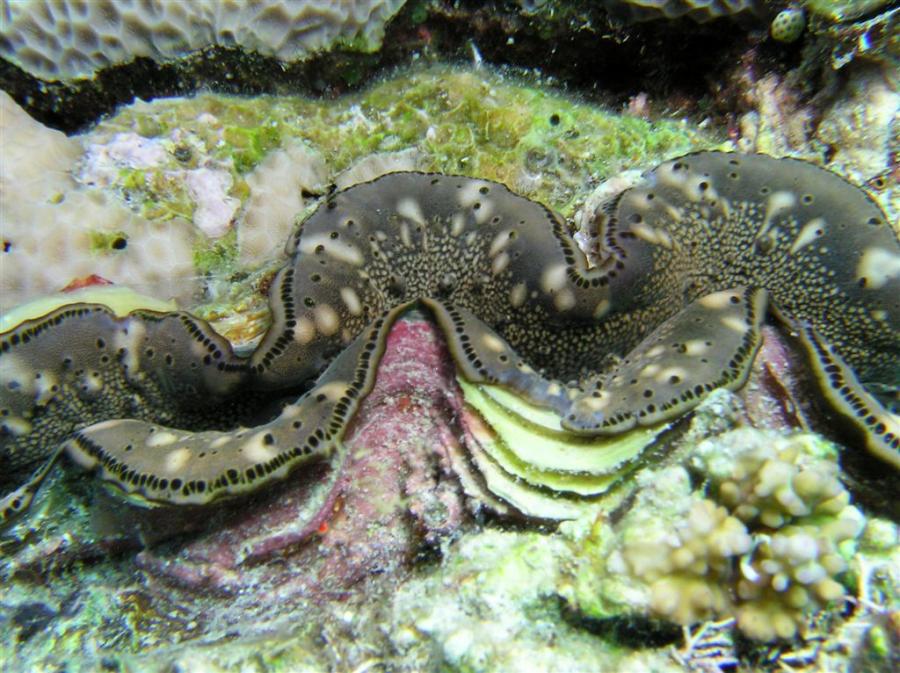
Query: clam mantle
x,y
690,263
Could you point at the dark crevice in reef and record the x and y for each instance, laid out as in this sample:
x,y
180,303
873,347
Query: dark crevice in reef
x,y
630,631
590,53
579,45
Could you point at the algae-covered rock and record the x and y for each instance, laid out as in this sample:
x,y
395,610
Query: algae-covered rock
x,y
863,128
843,10
180,195
495,589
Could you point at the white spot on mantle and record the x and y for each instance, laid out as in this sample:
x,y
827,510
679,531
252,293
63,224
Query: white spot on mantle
x,y
878,266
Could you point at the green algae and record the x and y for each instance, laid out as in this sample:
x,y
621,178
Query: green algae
x,y
107,241
218,256
473,122
248,145
156,193
843,10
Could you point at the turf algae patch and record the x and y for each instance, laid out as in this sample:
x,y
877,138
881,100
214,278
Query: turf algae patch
x,y
479,123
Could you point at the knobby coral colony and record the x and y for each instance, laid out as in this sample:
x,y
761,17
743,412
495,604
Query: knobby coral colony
x,y
690,262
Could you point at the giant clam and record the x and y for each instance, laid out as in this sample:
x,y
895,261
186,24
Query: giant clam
x,y
690,263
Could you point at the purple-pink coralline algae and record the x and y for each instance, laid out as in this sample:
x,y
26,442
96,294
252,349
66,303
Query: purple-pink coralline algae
x,y
334,536
395,494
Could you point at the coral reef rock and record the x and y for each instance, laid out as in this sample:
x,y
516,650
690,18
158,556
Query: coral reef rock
x,y
128,199
494,589
92,229
68,40
698,10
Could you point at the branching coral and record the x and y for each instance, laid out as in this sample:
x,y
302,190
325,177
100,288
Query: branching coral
x,y
789,495
700,547
793,572
766,539
769,485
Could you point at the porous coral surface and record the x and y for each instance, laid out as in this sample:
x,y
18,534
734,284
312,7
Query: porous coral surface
x,y
65,40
